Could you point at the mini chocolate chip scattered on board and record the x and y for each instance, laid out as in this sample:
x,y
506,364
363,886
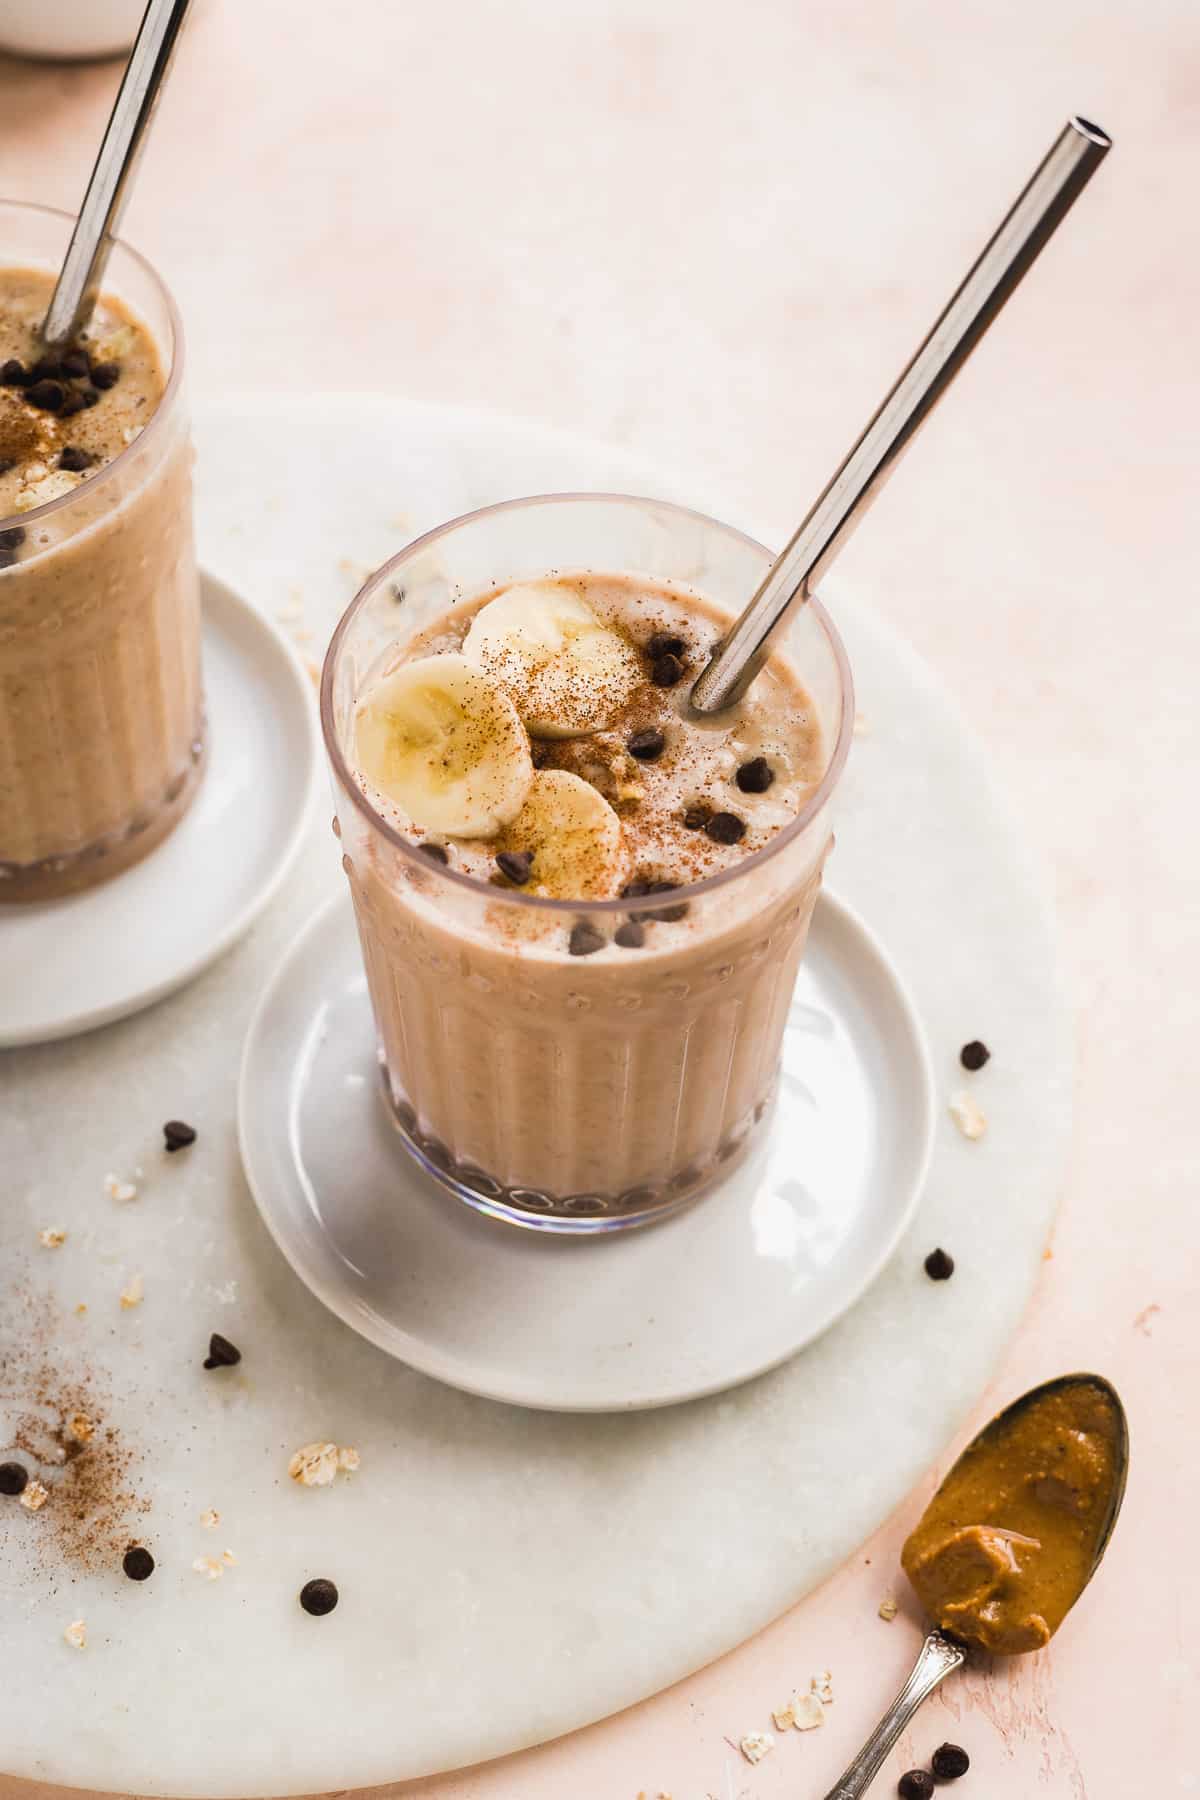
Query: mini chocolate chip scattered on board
x,y
318,1597
916,1785
939,1266
177,1135
221,1353
973,1055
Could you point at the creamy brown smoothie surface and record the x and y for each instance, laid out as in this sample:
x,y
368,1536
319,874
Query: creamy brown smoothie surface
x,y
101,729
538,741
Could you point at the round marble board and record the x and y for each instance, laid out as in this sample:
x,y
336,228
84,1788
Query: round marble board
x,y
505,1575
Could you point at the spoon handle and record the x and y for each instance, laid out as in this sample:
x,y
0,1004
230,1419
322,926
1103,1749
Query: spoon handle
x,y
91,240
939,1657
1038,211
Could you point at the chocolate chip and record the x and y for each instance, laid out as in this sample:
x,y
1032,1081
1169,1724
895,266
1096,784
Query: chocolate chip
x,y
666,670
668,914
585,940
12,537
106,375
90,397
437,853
949,1761
916,1785
178,1135
318,1597
73,404
77,363
974,1055
14,374
697,817
634,890
47,396
755,777
221,1353
47,368
630,936
939,1266
8,556
138,1563
14,1479
74,459
6,463
665,643
725,828
647,745
516,864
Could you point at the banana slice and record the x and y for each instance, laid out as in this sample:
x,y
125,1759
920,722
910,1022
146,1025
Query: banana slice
x,y
444,742
567,671
574,837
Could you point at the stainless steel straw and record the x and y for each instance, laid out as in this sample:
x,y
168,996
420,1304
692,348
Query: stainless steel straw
x,y
108,189
1036,215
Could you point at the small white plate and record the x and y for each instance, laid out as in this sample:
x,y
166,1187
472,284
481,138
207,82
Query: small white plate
x,y
68,965
737,1283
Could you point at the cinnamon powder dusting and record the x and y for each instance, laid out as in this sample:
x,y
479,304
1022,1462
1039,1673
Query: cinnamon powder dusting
x,y
48,1385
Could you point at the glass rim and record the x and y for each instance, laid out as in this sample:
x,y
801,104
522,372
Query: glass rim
x,y
642,903
168,395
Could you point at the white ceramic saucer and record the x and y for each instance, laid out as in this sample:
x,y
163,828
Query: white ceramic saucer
x,y
740,1281
69,965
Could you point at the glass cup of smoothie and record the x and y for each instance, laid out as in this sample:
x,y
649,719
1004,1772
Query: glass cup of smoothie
x,y
581,909
101,709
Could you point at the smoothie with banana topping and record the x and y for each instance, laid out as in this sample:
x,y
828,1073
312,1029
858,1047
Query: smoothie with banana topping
x,y
101,723
581,908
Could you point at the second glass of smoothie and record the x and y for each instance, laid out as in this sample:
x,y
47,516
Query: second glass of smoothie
x,y
581,909
101,710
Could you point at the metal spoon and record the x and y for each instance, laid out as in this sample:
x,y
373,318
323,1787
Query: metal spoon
x,y
941,1654
1038,211
107,191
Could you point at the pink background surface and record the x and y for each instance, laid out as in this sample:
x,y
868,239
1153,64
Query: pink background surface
x,y
715,232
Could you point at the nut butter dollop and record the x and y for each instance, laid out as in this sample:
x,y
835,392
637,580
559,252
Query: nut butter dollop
x,y
1010,1539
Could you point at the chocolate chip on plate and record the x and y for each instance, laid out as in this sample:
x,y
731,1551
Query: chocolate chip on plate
x,y
697,817
666,670
647,745
138,1563
756,776
666,643
974,1055
516,864
318,1597
14,1478
437,853
74,459
47,396
585,940
631,935
178,1135
13,373
949,1761
916,1785
77,363
725,828
939,1266
221,1353
106,375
